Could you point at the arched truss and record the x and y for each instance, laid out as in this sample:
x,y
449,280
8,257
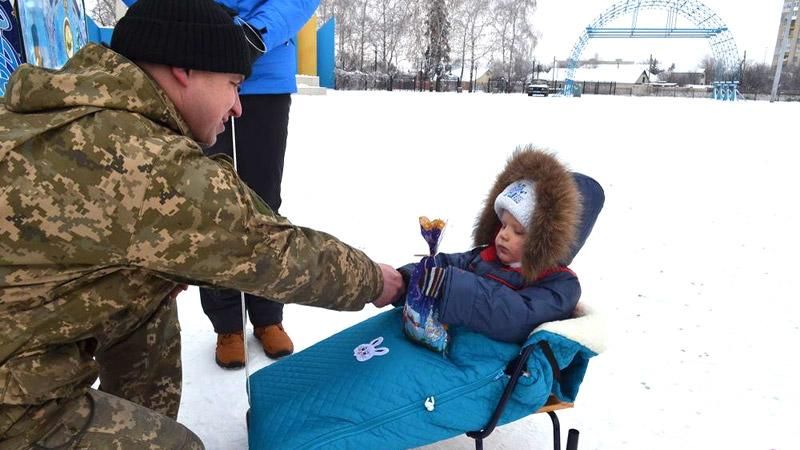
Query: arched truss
x,y
709,26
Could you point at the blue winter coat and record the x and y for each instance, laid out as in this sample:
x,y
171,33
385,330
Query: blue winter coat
x,y
486,296
279,21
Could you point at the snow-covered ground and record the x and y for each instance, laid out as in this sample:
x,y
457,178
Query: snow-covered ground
x,y
693,259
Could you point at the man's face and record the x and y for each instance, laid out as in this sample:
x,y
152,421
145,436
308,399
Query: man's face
x,y
211,98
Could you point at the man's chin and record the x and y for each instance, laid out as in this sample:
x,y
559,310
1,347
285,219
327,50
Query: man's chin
x,y
208,144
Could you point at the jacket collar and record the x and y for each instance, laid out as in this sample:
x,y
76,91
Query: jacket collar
x,y
95,76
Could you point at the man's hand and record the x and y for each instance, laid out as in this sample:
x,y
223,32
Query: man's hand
x,y
177,290
392,286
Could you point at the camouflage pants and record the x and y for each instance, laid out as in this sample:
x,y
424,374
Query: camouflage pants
x,y
102,421
145,366
140,376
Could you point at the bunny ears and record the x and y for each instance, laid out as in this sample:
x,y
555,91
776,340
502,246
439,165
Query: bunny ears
x,y
364,352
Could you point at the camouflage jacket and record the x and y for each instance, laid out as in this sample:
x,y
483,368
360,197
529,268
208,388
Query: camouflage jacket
x,y
106,203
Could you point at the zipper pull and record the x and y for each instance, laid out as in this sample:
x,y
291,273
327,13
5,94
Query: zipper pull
x,y
430,403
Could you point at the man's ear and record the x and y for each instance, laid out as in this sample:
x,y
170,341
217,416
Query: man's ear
x,y
181,75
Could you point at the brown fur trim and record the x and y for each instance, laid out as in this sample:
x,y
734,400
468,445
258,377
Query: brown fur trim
x,y
554,224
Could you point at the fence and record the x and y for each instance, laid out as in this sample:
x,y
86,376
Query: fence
x,y
606,88
787,96
386,82
654,90
642,90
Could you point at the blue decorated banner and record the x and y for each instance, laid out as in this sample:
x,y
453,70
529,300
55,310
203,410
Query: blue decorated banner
x,y
52,30
10,46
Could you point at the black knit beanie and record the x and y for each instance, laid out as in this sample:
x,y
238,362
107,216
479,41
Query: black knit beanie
x,y
191,34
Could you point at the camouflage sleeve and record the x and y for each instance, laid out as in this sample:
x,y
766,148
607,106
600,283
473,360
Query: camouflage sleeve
x,y
200,223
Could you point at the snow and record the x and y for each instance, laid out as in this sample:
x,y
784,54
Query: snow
x,y
692,260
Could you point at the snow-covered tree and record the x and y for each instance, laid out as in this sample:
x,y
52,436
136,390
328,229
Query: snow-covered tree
x,y
654,66
380,35
391,22
345,12
479,48
437,49
514,38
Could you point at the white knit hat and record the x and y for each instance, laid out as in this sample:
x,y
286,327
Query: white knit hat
x,y
519,199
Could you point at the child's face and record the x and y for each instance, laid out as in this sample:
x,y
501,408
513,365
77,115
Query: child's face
x,y
510,240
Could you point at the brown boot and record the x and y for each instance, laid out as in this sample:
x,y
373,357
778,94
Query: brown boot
x,y
230,350
275,341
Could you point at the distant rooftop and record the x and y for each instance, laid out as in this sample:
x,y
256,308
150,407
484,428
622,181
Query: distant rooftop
x,y
624,73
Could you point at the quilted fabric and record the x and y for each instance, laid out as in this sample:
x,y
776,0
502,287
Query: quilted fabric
x,y
356,391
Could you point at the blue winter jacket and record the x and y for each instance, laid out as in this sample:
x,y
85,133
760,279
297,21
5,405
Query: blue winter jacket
x,y
486,296
278,21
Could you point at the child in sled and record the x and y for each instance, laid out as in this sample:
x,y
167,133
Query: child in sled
x,y
370,386
536,218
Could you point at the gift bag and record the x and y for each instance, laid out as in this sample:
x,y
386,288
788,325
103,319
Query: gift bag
x,y
420,314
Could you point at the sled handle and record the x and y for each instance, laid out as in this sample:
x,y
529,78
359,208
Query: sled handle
x,y
519,363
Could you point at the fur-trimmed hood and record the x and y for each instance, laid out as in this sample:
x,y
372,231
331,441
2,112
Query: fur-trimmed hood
x,y
553,231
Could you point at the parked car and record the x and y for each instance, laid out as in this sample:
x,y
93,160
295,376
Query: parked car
x,y
537,87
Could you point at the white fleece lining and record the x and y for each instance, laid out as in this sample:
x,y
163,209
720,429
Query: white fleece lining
x,y
586,327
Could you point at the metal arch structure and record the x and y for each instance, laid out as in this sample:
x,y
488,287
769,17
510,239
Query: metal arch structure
x,y
708,26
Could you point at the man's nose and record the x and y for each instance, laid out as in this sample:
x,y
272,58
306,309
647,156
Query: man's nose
x,y
236,109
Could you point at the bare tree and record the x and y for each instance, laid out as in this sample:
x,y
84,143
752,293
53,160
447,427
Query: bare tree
x,y
392,17
500,26
414,38
339,11
348,26
364,28
460,19
756,78
514,37
437,50
105,12
383,34
478,48
522,38
790,79
709,67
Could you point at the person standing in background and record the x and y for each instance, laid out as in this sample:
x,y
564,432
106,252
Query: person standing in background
x,y
260,142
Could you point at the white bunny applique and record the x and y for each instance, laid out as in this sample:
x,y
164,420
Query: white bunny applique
x,y
366,351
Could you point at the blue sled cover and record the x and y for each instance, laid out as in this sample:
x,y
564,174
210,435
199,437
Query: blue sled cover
x,y
370,387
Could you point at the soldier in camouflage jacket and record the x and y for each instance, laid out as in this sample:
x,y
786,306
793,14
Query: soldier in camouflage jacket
x,y
107,204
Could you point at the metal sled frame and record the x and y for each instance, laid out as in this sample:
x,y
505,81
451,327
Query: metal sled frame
x,y
515,369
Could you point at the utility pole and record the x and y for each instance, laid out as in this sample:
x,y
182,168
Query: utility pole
x,y
742,66
784,44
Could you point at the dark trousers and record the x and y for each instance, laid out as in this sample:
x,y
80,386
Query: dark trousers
x,y
260,148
